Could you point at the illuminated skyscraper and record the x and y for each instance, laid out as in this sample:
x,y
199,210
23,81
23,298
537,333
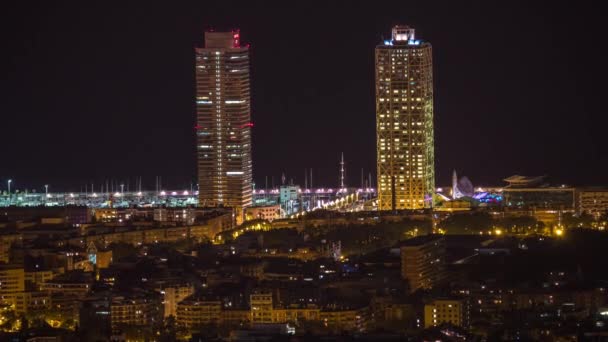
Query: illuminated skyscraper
x,y
223,113
404,122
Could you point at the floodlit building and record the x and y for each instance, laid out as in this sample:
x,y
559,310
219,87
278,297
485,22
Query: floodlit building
x,y
6,242
261,307
196,312
532,193
12,285
223,127
76,288
172,295
453,311
134,311
34,278
593,201
267,212
345,319
404,122
289,198
423,261
180,215
12,279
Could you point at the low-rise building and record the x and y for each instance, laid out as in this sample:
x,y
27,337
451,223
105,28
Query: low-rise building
x,y
75,284
592,201
135,310
195,312
28,301
261,307
295,314
253,269
6,242
12,279
235,317
173,293
533,193
267,212
185,216
345,319
35,278
453,311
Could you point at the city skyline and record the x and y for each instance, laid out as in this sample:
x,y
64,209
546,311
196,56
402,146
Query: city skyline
x,y
475,122
239,171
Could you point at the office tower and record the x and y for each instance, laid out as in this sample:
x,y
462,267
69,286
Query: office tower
x,y
404,122
224,123
423,261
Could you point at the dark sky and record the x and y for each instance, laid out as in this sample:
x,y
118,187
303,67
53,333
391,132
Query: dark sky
x,y
95,90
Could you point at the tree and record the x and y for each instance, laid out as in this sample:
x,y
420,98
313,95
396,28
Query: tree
x,y
583,220
522,224
121,250
467,223
169,330
8,319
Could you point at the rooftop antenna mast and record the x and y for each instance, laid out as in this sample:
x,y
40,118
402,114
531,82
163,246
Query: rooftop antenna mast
x,y
342,172
311,178
362,179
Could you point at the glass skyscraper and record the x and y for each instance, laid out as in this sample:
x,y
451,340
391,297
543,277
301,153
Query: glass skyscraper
x,y
404,122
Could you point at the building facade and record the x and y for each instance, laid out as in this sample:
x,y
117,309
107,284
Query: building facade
x,y
185,216
404,122
196,312
267,212
134,311
261,307
423,261
172,295
223,125
549,198
453,311
592,201
525,192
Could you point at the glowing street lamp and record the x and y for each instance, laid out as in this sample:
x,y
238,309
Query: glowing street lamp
x,y
9,186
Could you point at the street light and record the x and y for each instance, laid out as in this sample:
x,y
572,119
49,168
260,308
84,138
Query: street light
x,y
9,186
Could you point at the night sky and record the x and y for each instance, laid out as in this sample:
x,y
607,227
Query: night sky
x,y
95,90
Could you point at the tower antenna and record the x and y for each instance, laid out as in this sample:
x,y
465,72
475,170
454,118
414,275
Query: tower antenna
x,y
342,172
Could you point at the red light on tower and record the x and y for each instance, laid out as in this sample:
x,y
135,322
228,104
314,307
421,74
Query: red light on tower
x,y
236,36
